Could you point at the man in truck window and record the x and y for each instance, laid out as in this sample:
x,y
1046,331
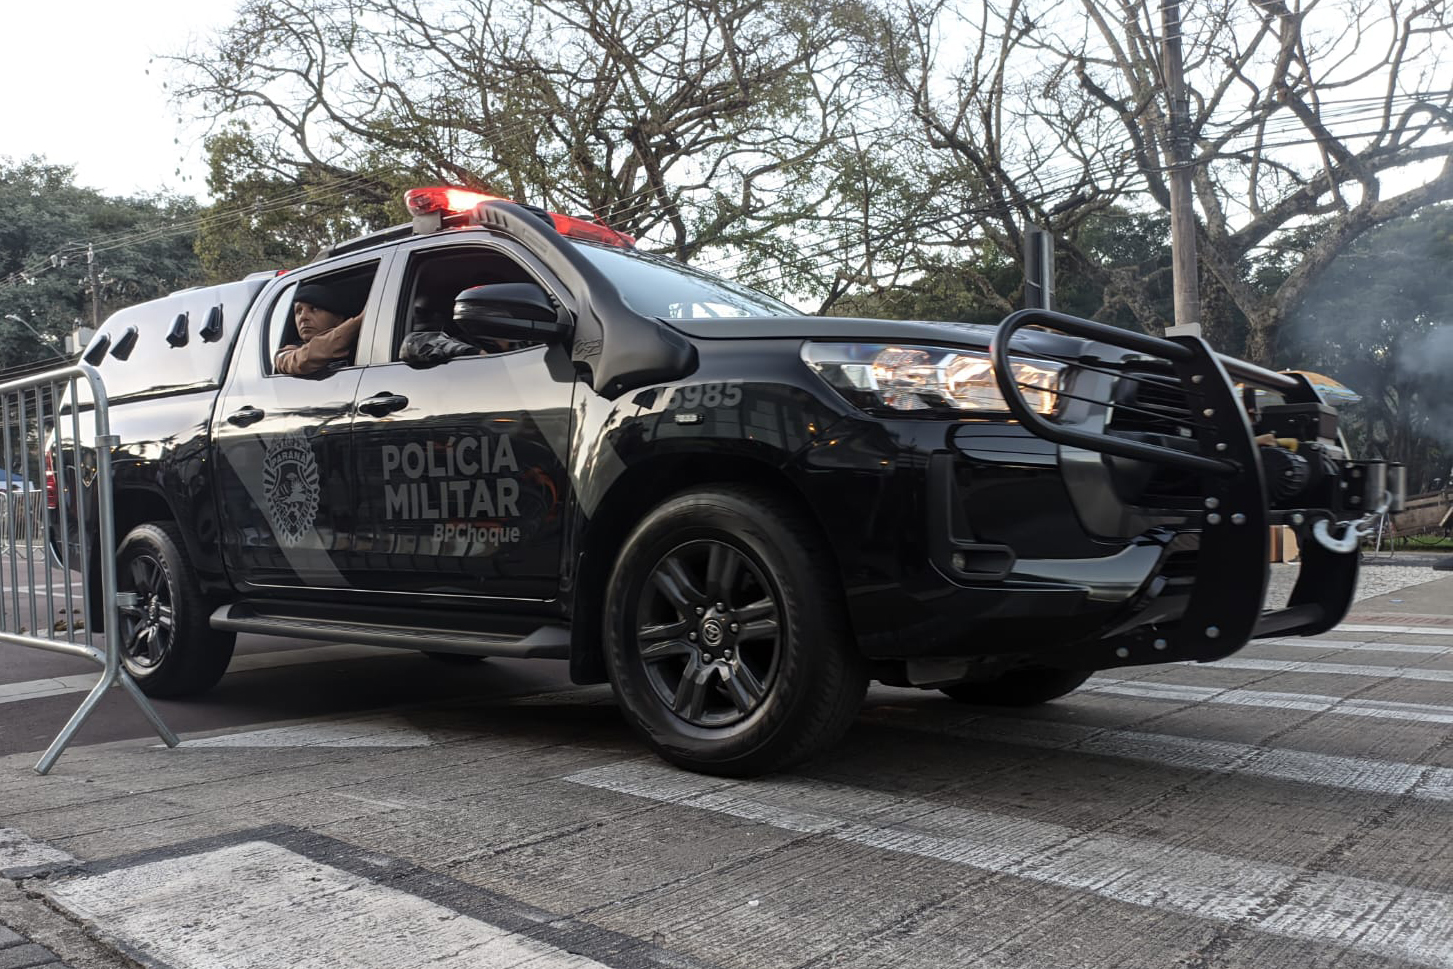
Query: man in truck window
x,y
319,312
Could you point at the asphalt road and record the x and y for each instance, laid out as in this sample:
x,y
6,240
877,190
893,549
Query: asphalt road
x,y
1288,807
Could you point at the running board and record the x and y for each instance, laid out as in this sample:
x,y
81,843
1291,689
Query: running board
x,y
546,642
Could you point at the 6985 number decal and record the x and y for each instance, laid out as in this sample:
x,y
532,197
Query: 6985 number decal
x,y
728,394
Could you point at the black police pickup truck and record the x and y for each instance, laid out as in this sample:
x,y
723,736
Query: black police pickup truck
x,y
548,444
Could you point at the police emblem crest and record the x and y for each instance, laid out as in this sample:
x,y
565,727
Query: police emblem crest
x,y
290,484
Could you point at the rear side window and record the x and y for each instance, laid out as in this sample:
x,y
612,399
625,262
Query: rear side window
x,y
351,288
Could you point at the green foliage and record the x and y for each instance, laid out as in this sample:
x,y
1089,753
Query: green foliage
x,y
143,249
1381,321
989,283
264,219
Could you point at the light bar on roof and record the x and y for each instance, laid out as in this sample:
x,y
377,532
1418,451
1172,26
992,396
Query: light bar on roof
x,y
444,199
451,200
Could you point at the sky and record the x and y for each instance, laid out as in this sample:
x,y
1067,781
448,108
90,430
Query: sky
x,y
78,91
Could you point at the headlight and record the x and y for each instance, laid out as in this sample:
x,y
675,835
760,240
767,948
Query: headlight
x,y
908,378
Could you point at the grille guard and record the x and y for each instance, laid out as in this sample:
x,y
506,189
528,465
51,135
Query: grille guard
x,y
1224,609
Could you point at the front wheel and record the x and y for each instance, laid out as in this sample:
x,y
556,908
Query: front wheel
x,y
726,635
167,642
1020,688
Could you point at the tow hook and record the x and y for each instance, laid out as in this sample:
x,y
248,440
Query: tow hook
x,y
1353,533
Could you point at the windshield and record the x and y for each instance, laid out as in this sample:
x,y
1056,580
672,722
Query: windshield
x,y
656,286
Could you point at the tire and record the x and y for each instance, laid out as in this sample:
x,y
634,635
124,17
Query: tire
x,y
167,643
747,665
1020,688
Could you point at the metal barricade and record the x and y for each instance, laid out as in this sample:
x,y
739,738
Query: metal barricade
x,y
58,535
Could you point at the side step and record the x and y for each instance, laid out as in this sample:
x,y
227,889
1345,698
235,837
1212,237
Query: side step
x,y
546,642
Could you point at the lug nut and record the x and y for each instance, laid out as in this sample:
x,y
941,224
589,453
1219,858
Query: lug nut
x,y
721,607
1161,644
1213,502
691,636
1213,632
700,611
1238,519
1213,519
706,657
1123,653
727,654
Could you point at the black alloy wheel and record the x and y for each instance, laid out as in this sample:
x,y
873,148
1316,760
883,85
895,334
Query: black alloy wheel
x,y
168,645
707,629
726,634
147,630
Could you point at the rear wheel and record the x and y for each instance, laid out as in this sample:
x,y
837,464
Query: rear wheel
x,y
167,642
1020,688
725,636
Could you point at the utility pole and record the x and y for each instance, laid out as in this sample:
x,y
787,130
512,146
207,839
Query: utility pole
x,y
1038,269
96,288
1182,214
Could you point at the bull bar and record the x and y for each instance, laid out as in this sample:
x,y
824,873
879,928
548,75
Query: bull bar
x,y
1225,607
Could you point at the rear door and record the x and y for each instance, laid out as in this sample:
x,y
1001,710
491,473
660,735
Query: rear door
x,y
285,485
461,468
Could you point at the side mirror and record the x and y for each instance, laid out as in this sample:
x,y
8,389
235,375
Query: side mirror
x,y
510,311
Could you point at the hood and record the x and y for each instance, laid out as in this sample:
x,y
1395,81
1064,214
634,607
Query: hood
x,y
975,336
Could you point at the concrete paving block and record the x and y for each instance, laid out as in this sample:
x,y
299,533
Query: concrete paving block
x,y
26,956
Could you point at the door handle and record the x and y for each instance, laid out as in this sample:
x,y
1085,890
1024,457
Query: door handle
x,y
381,404
245,416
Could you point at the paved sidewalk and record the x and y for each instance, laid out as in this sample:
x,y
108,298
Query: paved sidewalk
x,y
35,936
16,952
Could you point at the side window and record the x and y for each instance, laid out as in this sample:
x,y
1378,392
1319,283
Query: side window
x,y
435,278
280,329
347,292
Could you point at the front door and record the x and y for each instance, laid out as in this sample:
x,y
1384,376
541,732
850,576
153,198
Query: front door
x,y
462,477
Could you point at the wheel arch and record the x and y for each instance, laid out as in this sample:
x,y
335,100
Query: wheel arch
x,y
136,506
639,489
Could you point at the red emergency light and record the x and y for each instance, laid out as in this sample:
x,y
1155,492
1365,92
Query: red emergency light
x,y
444,199
450,200
576,228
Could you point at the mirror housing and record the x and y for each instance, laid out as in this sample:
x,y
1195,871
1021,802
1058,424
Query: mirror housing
x,y
511,311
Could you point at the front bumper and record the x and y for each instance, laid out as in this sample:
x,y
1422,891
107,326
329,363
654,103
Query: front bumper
x,y
1224,496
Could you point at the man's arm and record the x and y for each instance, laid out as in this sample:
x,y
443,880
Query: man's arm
x,y
321,350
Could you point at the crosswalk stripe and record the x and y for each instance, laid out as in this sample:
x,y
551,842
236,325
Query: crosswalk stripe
x,y
1420,781
1356,627
242,663
261,905
19,851
1336,669
1312,702
1376,917
385,730
1422,649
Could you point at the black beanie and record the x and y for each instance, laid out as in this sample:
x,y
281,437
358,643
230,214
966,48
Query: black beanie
x,y
322,296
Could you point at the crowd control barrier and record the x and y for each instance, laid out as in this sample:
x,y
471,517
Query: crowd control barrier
x,y
58,534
